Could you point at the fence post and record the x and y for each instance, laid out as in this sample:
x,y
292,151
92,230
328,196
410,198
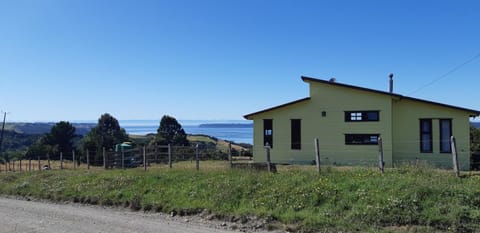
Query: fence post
x,y
88,159
155,152
453,144
30,164
13,165
39,165
61,160
20,165
381,164
169,155
6,167
197,162
74,160
104,158
48,159
144,159
317,154
267,147
123,159
230,163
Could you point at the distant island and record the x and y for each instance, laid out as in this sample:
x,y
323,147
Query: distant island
x,y
226,125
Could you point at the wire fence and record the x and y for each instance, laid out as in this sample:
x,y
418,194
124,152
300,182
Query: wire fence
x,y
325,153
140,156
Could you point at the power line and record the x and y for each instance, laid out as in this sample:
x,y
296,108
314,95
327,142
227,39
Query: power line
x,y
446,74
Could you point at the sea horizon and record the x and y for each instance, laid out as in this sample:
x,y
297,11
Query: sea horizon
x,y
235,134
192,127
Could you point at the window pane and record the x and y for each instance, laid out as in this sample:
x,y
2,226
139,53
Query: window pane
x,y
426,143
426,135
372,116
362,116
426,126
445,134
361,139
296,134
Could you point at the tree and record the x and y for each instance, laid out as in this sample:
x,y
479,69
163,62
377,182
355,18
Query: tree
x,y
61,137
474,139
171,132
39,148
106,134
474,148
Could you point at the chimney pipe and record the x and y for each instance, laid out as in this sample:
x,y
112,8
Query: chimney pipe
x,y
391,82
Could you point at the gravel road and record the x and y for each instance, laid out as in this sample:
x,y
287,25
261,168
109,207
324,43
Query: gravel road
x,y
32,216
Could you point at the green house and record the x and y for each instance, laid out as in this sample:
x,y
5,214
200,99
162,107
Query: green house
x,y
348,122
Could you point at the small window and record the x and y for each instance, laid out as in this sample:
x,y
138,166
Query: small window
x,y
445,134
296,134
361,139
353,116
426,145
268,132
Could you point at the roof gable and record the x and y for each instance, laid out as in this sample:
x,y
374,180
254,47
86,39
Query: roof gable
x,y
471,111
310,80
248,116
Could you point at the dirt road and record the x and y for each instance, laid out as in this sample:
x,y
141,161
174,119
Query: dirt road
x,y
31,216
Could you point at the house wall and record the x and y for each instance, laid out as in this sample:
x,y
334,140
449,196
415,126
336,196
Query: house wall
x,y
406,127
330,129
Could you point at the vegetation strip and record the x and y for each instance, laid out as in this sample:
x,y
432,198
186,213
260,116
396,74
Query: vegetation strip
x,y
405,199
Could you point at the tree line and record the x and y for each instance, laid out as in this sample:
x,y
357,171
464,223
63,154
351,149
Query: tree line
x,y
62,137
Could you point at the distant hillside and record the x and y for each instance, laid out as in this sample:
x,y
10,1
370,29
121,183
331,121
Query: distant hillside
x,y
13,141
44,127
475,124
225,125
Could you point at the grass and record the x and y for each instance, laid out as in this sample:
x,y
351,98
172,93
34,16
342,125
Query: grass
x,y
407,199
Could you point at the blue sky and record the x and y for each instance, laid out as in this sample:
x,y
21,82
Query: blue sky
x,y
212,60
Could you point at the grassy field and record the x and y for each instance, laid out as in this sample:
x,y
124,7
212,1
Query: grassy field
x,y
220,144
406,199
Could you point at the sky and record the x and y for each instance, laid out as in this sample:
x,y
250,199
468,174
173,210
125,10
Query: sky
x,y
215,60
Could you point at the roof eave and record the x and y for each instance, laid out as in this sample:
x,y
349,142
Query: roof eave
x,y
249,116
472,112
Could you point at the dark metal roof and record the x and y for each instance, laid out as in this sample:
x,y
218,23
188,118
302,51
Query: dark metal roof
x,y
309,79
279,106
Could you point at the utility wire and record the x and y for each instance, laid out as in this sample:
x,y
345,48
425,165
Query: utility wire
x,y
446,74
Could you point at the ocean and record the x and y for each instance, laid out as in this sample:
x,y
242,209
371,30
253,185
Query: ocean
x,y
225,132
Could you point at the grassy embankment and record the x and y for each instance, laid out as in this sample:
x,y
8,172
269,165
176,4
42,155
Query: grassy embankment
x,y
408,199
220,145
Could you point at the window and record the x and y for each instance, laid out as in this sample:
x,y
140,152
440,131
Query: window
x,y
268,132
296,140
361,139
426,136
445,134
353,116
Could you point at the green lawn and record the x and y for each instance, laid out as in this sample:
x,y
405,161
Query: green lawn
x,y
407,199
